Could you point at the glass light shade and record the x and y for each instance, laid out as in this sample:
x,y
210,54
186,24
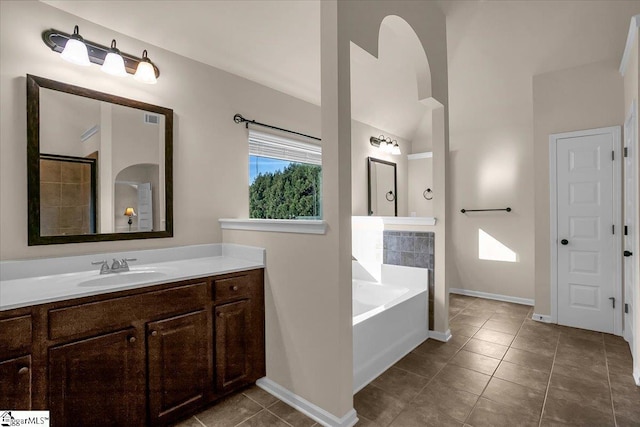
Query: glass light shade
x,y
145,73
75,51
114,65
129,212
395,150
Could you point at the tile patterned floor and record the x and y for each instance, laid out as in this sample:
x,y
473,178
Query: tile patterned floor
x,y
503,369
499,369
252,407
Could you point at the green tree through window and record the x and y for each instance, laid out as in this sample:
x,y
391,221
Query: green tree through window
x,y
291,192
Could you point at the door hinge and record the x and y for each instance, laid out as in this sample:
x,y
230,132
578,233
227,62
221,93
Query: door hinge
x,y
626,308
626,230
613,229
613,155
613,302
626,151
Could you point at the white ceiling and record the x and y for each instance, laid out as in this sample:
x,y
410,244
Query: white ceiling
x,y
277,43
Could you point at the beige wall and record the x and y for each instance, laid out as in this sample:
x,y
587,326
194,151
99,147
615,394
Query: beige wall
x,y
210,150
584,97
309,323
360,150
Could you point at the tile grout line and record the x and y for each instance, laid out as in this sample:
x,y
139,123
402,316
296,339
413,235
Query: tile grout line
x,y
282,419
436,374
198,420
606,362
546,392
492,375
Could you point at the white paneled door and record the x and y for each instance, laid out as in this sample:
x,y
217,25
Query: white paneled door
x,y
630,191
587,277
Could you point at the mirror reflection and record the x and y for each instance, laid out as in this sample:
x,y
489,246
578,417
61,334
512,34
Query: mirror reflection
x,y
101,166
382,188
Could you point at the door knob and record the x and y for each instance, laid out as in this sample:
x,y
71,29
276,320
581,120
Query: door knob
x,y
564,241
628,253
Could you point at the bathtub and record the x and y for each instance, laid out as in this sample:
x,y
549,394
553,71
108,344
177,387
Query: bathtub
x,y
390,318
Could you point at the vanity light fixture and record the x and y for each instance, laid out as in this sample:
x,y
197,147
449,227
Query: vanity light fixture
x,y
113,62
145,72
130,213
386,144
73,48
75,51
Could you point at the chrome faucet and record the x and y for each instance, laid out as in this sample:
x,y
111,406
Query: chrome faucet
x,y
117,266
105,266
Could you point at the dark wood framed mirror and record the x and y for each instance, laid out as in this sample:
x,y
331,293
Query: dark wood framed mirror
x,y
383,189
100,166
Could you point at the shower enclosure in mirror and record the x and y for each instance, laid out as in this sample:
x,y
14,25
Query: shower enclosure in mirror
x,y
99,166
383,200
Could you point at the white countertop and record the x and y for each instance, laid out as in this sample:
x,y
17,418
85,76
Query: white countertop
x,y
31,282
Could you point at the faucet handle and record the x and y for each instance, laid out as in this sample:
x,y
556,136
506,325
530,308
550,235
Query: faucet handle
x,y
124,262
116,264
105,266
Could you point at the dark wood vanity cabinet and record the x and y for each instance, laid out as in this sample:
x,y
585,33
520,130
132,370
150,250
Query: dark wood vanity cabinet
x,y
178,349
148,356
15,360
97,381
15,383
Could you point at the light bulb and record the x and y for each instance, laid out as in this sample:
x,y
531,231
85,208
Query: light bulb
x,y
113,62
145,72
75,51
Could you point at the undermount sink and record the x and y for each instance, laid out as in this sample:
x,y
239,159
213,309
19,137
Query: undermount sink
x,y
125,278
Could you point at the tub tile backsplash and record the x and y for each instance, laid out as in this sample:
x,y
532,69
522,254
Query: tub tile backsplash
x,y
408,248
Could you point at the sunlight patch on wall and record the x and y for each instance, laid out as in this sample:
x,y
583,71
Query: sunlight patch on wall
x,y
490,249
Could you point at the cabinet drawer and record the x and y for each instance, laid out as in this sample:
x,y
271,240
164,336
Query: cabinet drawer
x,y
233,288
102,316
15,336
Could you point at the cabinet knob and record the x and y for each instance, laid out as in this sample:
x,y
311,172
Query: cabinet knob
x,y
131,338
154,333
23,370
234,287
219,314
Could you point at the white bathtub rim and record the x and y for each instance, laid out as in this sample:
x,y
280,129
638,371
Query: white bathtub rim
x,y
382,308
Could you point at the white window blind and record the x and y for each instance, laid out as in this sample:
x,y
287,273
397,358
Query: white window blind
x,y
277,147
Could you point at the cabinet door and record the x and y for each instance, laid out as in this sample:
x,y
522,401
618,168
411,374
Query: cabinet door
x,y
15,386
178,360
233,345
98,381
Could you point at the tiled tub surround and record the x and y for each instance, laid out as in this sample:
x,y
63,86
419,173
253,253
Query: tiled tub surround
x,y
408,248
411,249
38,281
503,369
389,318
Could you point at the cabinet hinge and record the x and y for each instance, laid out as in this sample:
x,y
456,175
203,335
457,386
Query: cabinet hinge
x,y
626,308
613,229
626,151
626,230
613,155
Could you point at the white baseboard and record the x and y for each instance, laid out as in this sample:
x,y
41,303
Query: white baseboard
x,y
440,336
487,295
309,409
544,318
636,376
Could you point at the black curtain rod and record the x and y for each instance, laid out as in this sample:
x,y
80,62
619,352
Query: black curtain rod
x,y
239,119
484,210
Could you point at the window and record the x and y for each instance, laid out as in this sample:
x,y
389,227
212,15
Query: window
x,y
285,178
